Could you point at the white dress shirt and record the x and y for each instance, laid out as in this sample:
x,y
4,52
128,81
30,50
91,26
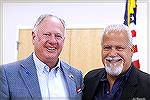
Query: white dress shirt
x,y
52,83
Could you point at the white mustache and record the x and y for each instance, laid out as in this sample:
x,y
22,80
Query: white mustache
x,y
113,58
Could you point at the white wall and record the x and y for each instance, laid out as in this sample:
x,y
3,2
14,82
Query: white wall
x,y
24,15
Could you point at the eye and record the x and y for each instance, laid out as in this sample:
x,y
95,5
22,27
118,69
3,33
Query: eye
x,y
58,36
107,48
46,34
120,48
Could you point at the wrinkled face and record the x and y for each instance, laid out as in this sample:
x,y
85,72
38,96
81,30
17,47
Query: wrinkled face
x,y
48,40
116,53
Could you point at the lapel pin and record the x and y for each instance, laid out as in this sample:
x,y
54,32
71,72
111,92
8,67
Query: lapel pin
x,y
27,73
71,76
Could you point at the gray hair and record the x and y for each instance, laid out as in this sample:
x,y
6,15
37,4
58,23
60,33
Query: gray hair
x,y
42,17
117,28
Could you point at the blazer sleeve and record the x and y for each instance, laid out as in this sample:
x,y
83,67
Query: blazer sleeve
x,y
4,91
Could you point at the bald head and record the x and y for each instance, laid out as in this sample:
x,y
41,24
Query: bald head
x,y
46,16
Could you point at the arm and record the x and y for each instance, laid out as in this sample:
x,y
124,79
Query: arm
x,y
4,91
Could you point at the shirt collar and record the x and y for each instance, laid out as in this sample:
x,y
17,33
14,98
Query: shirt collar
x,y
40,66
128,72
55,69
104,76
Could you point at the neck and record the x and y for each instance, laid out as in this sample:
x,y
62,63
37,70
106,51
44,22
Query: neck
x,y
111,80
51,64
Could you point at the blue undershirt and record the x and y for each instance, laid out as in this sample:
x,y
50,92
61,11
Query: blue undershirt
x,y
104,93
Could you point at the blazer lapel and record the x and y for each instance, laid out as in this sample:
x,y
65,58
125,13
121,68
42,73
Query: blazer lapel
x,y
92,83
72,85
130,89
29,75
94,86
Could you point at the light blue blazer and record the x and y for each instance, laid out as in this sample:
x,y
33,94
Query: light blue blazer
x,y
19,81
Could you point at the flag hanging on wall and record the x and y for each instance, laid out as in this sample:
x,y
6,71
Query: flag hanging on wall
x,y
130,21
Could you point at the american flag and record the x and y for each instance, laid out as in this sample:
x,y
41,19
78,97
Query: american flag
x,y
130,21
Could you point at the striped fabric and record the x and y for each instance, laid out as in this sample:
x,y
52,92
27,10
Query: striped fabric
x,y
130,21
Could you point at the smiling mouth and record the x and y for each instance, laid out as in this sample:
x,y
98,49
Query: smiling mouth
x,y
51,49
113,60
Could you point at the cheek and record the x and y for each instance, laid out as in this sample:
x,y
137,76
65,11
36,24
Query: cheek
x,y
127,57
39,42
61,43
128,54
104,54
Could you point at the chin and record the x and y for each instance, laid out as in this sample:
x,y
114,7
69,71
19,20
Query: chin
x,y
52,57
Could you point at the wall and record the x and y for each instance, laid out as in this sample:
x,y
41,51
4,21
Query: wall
x,y
148,37
1,36
24,15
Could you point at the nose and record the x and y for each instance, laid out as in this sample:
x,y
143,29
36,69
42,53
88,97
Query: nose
x,y
52,39
113,53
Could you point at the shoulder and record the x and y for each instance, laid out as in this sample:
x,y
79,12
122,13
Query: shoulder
x,y
141,80
142,76
94,73
10,67
10,70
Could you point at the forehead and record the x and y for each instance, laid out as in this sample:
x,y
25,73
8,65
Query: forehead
x,y
51,21
51,24
115,38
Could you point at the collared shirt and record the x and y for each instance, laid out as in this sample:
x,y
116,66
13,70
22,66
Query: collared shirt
x,y
105,94
52,83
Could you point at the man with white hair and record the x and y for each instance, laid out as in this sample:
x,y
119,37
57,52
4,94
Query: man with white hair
x,y
119,79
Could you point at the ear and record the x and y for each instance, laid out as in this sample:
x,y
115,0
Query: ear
x,y
64,39
33,37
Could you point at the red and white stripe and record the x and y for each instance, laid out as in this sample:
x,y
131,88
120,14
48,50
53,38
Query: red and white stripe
x,y
135,58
